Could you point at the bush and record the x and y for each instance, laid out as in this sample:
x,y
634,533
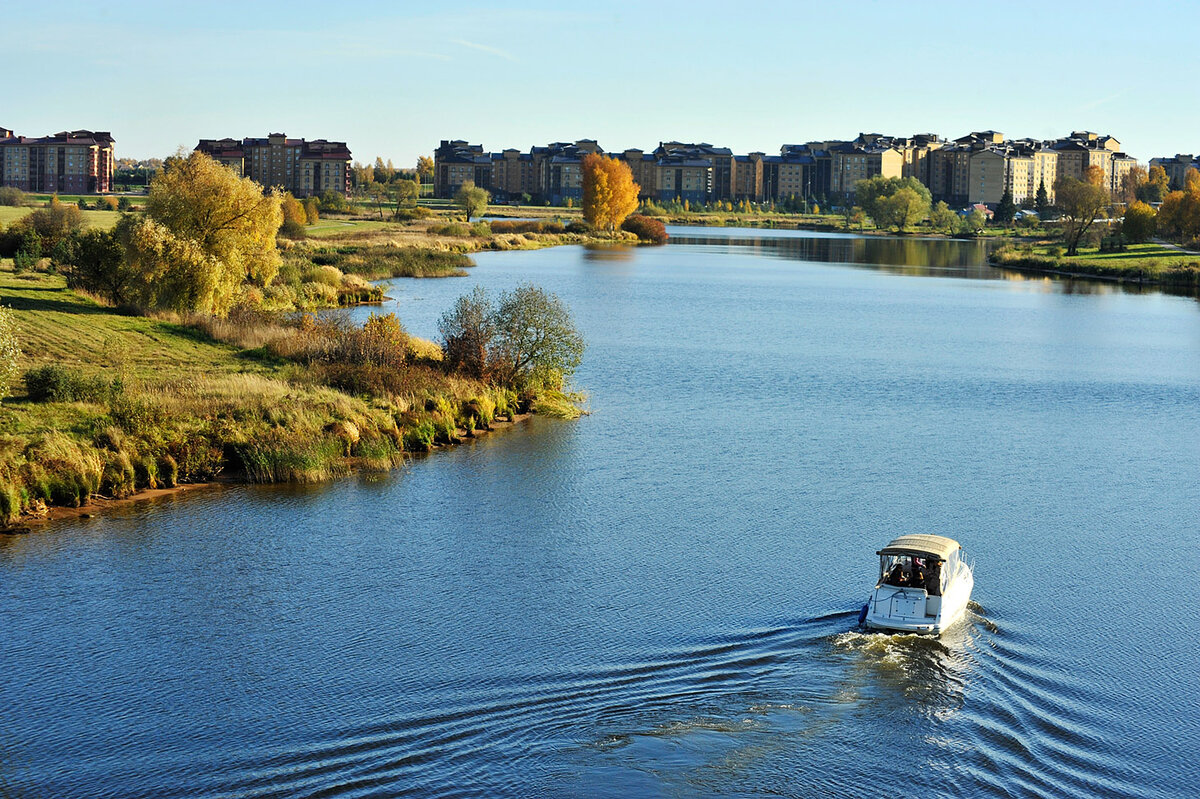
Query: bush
x,y
450,229
11,195
56,383
646,229
123,204
419,436
578,226
25,261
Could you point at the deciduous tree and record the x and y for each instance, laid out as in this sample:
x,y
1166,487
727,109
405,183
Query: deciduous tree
x,y
1156,186
867,193
536,340
1131,184
206,231
901,208
472,199
424,169
1081,201
609,193
1139,223
467,330
294,217
943,219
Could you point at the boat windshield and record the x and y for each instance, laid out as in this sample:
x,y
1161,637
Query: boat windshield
x,y
912,571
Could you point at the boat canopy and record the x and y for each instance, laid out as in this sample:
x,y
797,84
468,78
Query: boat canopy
x,y
936,545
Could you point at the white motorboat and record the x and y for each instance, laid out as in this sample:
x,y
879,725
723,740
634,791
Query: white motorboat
x,y
924,585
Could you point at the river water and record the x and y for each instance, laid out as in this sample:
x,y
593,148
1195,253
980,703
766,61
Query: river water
x,y
660,599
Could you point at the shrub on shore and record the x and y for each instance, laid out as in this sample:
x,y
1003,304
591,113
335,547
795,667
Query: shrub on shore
x,y
646,229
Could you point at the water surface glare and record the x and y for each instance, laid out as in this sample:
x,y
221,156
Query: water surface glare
x,y
660,598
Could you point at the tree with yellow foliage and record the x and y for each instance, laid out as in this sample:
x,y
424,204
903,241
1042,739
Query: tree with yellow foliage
x,y
609,193
206,231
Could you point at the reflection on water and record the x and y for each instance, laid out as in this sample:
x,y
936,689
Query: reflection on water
x,y
911,256
622,253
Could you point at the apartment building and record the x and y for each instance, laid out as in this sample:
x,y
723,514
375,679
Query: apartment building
x,y
1176,168
70,162
977,168
304,168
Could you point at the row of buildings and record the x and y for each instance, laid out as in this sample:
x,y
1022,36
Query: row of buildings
x,y
71,162
976,168
304,168
84,162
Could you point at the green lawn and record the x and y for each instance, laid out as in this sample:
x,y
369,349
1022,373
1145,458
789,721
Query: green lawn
x,y
103,220
59,326
1149,263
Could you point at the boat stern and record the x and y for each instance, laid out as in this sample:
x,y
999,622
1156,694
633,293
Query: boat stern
x,y
902,609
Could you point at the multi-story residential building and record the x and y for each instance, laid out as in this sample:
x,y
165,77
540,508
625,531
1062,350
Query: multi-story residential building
x,y
975,169
456,162
72,162
645,171
302,167
853,162
1176,168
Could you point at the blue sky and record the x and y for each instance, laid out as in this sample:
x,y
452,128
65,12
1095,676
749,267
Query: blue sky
x,y
394,78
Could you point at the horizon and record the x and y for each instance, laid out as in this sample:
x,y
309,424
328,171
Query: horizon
x,y
394,80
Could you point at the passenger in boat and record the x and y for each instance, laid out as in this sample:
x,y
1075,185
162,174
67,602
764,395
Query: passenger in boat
x,y
917,580
897,576
933,579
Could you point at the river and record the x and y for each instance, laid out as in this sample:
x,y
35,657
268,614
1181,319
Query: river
x,y
659,599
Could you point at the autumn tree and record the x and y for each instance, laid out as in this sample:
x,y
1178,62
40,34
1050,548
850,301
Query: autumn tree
x,y
609,193
206,231
472,199
1139,223
312,210
424,169
294,217
1179,214
1154,190
51,224
1081,202
1131,184
383,172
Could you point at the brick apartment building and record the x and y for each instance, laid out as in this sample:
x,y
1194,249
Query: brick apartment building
x,y
304,168
976,168
70,162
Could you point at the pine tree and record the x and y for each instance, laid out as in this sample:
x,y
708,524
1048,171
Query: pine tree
x,y
1006,209
1041,200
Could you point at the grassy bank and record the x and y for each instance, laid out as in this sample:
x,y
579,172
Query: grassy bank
x,y
1151,264
101,220
113,403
